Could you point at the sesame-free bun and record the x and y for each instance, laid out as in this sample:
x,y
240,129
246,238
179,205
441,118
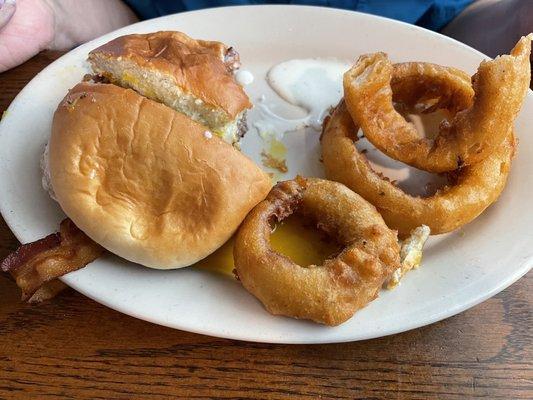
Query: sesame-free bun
x,y
191,76
146,182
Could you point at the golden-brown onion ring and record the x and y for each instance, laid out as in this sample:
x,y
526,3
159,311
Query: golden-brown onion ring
x,y
328,293
473,134
424,87
476,186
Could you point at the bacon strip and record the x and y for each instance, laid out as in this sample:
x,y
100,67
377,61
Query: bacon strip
x,y
35,266
28,251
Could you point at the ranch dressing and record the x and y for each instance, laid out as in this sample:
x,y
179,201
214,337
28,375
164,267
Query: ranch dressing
x,y
244,77
313,84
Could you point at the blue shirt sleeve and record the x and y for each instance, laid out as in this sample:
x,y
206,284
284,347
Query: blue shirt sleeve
x,y
431,14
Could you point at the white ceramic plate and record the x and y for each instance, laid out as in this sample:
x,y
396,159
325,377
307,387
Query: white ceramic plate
x,y
459,269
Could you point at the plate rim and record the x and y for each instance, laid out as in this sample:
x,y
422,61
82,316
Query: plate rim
x,y
10,220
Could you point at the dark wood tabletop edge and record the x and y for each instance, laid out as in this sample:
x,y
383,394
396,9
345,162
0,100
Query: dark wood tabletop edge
x,y
72,347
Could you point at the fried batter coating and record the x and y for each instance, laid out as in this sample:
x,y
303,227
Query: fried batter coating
x,y
476,186
330,293
478,127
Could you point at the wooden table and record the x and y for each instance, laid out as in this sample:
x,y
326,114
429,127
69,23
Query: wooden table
x,y
72,347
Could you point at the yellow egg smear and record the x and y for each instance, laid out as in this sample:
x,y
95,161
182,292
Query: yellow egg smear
x,y
129,78
220,261
303,244
134,82
277,149
275,156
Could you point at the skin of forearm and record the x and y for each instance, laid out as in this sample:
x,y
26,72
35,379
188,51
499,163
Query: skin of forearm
x,y
77,21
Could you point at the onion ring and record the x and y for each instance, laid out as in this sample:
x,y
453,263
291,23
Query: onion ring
x,y
474,133
476,186
330,293
423,88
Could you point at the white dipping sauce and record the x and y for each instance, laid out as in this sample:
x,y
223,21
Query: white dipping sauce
x,y
244,77
313,84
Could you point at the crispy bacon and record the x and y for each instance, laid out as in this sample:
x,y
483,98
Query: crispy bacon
x,y
35,266
27,251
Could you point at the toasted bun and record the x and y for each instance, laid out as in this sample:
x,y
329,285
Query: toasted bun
x,y
146,182
196,67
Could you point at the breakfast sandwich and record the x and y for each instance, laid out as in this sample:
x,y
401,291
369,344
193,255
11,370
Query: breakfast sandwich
x,y
143,162
191,76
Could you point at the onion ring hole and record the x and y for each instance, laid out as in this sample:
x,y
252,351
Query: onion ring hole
x,y
302,242
411,180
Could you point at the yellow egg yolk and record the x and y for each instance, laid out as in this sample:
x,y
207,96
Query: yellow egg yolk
x,y
301,243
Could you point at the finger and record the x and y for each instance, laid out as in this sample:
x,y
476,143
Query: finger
x,y
7,9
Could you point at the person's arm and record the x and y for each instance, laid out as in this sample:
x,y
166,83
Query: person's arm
x,y
492,26
55,24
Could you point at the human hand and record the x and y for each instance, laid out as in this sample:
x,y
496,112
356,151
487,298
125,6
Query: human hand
x,y
25,32
36,25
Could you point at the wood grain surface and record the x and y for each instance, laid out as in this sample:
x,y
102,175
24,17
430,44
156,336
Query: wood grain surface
x,y
74,348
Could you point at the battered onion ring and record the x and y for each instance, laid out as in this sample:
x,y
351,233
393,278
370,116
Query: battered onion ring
x,y
475,188
424,87
473,134
329,293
